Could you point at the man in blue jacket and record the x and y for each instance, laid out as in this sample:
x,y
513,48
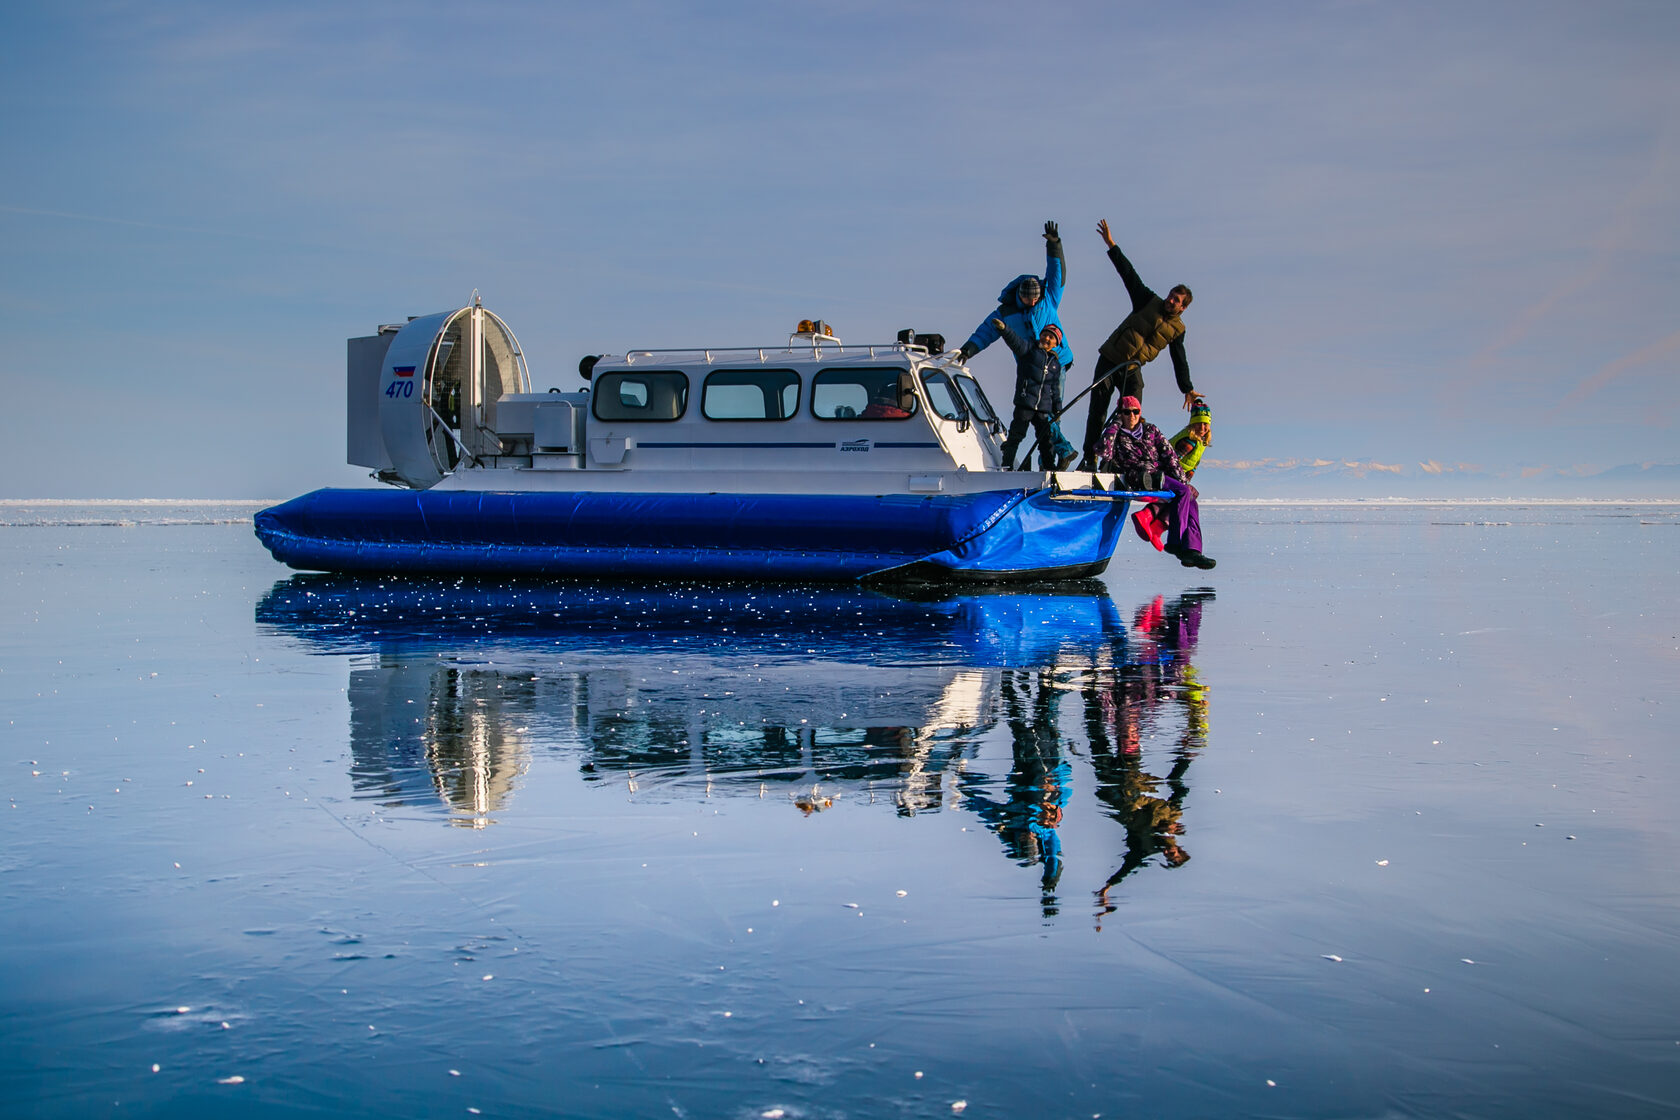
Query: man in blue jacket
x,y
1027,305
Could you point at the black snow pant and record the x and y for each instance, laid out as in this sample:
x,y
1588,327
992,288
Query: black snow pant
x,y
1126,384
1040,422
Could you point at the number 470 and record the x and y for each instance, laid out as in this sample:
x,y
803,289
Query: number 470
x,y
400,389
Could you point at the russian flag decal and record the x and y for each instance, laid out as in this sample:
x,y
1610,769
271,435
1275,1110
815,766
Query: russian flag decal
x,y
403,371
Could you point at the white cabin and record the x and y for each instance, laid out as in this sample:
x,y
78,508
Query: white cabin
x,y
443,401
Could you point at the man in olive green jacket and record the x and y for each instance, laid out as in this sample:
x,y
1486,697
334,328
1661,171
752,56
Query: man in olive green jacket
x,y
1154,325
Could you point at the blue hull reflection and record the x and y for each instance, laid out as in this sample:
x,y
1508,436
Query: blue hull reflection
x,y
999,704
1015,627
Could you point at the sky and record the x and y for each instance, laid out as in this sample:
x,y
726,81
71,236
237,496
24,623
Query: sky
x,y
1438,237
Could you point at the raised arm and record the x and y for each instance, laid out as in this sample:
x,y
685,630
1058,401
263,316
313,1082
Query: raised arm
x,y
1015,342
1055,265
1135,286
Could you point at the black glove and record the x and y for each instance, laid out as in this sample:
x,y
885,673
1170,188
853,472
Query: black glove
x,y
968,351
1050,232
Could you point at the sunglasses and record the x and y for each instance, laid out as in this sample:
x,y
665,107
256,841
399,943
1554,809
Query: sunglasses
x,y
1130,411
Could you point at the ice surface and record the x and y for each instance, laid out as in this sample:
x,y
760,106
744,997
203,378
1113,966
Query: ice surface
x,y
416,848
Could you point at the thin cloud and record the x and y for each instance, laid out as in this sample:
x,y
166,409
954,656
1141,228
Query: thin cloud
x,y
32,212
1352,466
164,227
1624,229
1643,356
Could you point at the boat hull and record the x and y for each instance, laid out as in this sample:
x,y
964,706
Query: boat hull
x,y
1015,534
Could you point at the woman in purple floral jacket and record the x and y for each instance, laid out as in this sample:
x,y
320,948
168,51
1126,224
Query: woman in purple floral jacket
x,y
1132,447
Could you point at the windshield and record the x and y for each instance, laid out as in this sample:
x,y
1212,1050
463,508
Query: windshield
x,y
942,395
976,398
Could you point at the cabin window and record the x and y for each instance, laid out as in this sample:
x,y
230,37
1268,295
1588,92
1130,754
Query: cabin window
x,y
654,395
976,398
943,396
750,394
863,393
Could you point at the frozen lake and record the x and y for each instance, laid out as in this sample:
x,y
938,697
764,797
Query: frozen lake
x,y
1376,819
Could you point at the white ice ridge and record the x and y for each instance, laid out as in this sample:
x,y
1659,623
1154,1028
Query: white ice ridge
x,y
125,512
255,503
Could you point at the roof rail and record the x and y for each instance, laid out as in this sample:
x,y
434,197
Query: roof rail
x,y
764,354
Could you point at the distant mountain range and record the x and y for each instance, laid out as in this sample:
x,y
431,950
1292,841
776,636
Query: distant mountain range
x,y
1349,478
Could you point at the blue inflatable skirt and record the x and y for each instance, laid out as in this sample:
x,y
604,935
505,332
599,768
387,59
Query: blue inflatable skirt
x,y
996,535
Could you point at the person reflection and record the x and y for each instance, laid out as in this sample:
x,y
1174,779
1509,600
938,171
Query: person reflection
x,y
1121,704
1040,780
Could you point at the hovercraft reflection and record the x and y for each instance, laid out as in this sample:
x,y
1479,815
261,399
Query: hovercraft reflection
x,y
813,695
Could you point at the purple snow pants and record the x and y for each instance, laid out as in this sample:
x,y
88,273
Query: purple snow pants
x,y
1184,525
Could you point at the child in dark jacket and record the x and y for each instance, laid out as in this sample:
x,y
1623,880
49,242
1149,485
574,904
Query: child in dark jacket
x,y
1038,393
